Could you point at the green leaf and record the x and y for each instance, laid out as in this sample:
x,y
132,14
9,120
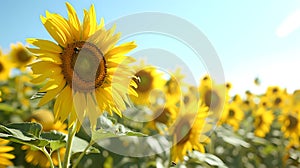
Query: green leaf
x,y
231,138
28,128
210,159
103,134
30,134
79,145
55,139
21,137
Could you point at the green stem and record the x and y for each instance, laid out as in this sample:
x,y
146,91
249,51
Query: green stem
x,y
58,157
48,156
71,134
82,154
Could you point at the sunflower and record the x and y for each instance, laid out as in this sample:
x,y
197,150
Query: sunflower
x,y
5,67
148,79
46,119
278,97
172,88
85,71
19,55
163,114
191,95
264,102
213,95
5,158
296,97
232,115
37,157
262,121
247,104
290,124
189,131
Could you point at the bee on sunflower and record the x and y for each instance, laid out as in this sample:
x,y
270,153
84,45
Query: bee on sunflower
x,y
85,70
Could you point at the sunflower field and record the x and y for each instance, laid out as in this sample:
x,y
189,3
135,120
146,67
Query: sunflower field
x,y
81,100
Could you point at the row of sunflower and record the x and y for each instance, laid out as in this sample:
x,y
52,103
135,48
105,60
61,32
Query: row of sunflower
x,y
81,102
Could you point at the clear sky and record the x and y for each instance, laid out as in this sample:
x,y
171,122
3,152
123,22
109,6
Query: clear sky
x,y
252,38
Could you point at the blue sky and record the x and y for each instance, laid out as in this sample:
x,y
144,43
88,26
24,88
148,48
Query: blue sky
x,y
252,38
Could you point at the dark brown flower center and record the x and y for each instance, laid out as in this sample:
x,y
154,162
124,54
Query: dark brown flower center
x,y
212,100
172,86
231,113
145,81
84,66
186,99
277,101
163,115
258,121
1,67
275,90
23,55
293,122
183,132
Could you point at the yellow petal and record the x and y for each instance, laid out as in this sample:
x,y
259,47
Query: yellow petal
x,y
6,148
79,105
51,94
45,45
52,84
55,31
63,104
93,20
121,50
7,155
74,21
43,67
86,25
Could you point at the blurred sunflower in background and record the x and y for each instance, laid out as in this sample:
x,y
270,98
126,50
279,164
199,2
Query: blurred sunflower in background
x,y
5,158
192,95
5,67
278,97
46,119
232,115
189,131
247,104
262,121
213,96
163,115
86,72
295,98
148,79
290,124
20,56
173,87
264,102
